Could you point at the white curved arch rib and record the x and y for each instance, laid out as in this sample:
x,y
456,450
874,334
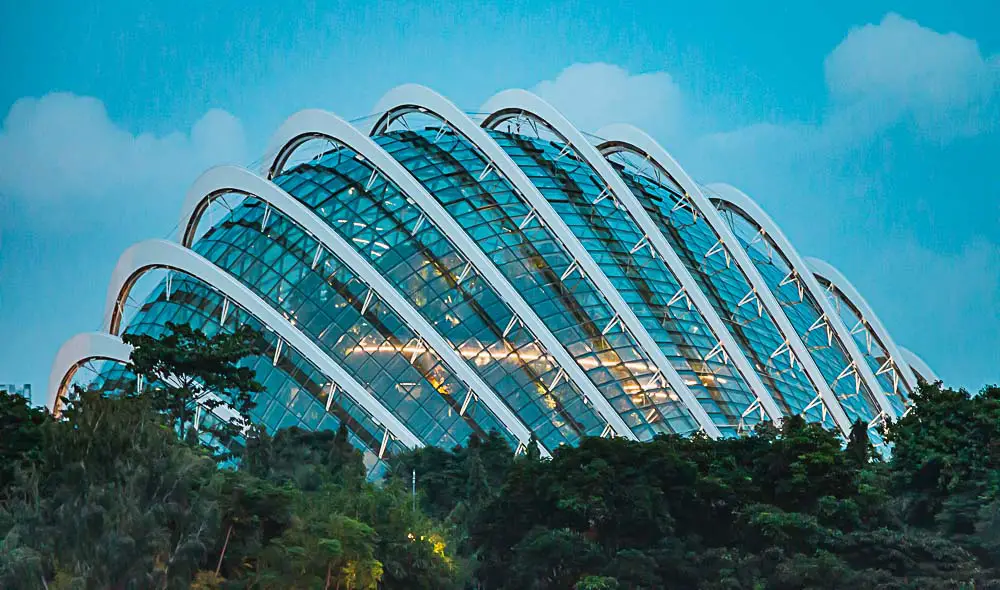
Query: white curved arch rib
x,y
514,103
413,97
740,200
631,138
90,346
317,123
918,365
232,179
163,254
829,273
76,352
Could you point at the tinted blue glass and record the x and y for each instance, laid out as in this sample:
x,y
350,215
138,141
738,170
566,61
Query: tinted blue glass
x,y
327,301
615,241
872,347
295,390
806,316
535,262
729,292
411,252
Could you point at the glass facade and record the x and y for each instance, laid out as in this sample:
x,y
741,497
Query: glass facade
x,y
806,316
320,295
615,242
295,389
728,289
328,302
870,345
411,251
531,257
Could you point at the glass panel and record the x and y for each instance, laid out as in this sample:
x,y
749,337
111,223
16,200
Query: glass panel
x,y
728,290
533,260
616,243
870,345
296,390
414,255
334,308
806,315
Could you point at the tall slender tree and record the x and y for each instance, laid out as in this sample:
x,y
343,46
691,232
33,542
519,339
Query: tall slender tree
x,y
185,371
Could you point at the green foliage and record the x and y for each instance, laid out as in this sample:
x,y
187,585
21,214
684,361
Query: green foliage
x,y
20,434
946,468
597,583
789,507
443,476
114,501
111,497
185,368
306,460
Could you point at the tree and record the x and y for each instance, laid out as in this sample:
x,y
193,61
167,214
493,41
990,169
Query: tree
x,y
184,369
253,513
859,447
308,460
552,559
114,501
597,583
946,467
322,549
21,428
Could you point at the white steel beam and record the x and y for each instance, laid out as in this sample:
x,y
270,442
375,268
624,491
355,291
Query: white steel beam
x,y
639,142
231,179
76,352
514,103
738,199
412,97
162,254
313,123
919,366
828,273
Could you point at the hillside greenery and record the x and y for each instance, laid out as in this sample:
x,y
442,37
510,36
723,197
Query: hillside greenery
x,y
109,496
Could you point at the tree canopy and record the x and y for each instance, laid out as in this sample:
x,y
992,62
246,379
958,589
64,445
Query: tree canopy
x,y
788,507
110,496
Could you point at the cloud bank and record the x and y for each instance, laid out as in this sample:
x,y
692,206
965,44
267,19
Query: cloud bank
x,y
877,76
64,147
592,94
898,69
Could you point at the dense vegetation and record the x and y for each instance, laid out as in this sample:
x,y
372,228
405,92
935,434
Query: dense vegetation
x,y
110,497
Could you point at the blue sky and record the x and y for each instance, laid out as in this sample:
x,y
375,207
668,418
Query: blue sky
x,y
869,131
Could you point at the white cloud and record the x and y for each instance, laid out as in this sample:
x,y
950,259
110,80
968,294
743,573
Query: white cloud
x,y
591,95
62,146
897,67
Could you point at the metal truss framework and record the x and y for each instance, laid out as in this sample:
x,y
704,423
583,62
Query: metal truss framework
x,y
312,124
162,254
99,346
623,137
412,97
76,352
730,196
512,104
827,274
220,181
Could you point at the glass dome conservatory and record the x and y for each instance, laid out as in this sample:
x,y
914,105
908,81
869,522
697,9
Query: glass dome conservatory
x,y
439,274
